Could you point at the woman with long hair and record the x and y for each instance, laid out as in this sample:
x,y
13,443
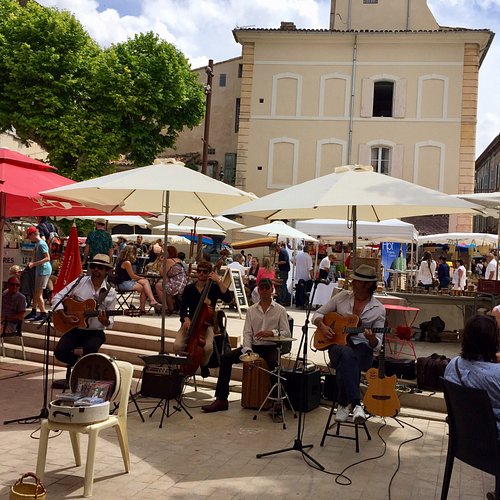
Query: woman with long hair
x,y
177,279
127,280
427,271
265,271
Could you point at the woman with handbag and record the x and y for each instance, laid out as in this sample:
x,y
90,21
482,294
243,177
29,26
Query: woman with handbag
x,y
427,271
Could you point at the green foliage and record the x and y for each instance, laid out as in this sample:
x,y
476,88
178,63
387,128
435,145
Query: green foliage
x,y
87,106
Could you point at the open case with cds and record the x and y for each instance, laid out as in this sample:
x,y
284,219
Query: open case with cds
x,y
94,383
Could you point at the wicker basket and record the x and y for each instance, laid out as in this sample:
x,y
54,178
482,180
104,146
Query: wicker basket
x,y
24,491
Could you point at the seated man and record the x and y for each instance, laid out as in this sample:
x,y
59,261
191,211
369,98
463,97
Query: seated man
x,y
94,286
349,360
13,306
263,320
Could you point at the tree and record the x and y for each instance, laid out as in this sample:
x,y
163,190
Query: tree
x,y
86,105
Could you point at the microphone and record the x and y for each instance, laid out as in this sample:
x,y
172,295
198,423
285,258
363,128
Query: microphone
x,y
323,282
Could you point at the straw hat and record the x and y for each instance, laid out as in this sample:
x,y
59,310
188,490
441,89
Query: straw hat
x,y
364,273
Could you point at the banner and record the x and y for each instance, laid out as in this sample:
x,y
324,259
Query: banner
x,y
393,257
71,266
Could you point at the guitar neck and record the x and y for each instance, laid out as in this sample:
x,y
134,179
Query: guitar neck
x,y
94,314
353,331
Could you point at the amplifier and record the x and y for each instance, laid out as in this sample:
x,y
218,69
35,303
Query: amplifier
x,y
162,382
311,389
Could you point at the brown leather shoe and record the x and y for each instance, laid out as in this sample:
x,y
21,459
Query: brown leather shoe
x,y
217,405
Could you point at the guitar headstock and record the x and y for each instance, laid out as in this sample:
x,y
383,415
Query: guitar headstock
x,y
133,313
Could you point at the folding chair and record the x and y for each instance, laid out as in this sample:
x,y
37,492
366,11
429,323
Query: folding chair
x,y
397,344
125,300
12,329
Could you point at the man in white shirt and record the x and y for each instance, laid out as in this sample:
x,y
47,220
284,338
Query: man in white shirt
x,y
325,265
303,265
491,268
238,264
264,320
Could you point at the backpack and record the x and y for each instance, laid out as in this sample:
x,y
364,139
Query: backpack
x,y
430,370
53,241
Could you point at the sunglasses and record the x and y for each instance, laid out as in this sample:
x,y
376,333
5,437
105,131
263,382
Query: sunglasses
x,y
203,271
97,266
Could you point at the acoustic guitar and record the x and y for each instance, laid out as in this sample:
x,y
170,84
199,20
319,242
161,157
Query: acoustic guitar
x,y
342,325
380,397
83,310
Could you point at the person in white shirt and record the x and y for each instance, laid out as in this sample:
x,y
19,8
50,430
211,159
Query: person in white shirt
x,y
303,265
264,320
491,268
459,276
325,265
238,264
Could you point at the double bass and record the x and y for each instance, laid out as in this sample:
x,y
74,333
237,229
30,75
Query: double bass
x,y
195,341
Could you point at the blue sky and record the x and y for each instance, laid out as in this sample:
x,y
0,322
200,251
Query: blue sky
x,y
202,29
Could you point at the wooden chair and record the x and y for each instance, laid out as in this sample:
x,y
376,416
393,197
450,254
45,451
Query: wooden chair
x,y
119,421
473,436
12,329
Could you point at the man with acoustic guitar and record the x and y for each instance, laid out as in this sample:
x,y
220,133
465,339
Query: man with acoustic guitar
x,y
357,355
94,287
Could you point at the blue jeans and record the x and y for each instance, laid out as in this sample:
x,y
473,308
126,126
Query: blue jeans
x,y
349,361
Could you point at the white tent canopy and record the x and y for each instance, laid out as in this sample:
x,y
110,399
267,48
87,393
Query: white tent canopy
x,y
114,220
479,239
338,229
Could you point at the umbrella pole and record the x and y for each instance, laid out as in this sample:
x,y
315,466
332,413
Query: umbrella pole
x,y
166,209
354,238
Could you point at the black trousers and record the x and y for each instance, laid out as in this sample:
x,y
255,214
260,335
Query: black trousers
x,y
89,340
268,352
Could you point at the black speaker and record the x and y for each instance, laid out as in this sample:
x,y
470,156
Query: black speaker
x,y
310,398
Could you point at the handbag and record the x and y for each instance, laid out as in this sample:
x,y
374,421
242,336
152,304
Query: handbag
x,y
21,490
435,281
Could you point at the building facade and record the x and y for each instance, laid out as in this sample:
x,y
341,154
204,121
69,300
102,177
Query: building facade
x,y
385,85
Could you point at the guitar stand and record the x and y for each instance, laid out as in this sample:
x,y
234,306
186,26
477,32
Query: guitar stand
x,y
298,445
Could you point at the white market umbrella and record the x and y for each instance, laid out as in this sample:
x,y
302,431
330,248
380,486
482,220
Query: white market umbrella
x,y
115,220
478,239
278,228
156,188
354,192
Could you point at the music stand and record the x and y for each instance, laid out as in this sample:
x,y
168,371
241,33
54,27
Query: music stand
x,y
298,445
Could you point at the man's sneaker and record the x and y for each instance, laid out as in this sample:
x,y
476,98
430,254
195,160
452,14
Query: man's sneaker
x,y
40,317
358,415
342,414
31,315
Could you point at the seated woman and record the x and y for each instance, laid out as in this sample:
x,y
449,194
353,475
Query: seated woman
x,y
478,365
177,279
251,278
127,280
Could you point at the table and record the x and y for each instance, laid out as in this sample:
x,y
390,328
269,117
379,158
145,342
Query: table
x,y
409,313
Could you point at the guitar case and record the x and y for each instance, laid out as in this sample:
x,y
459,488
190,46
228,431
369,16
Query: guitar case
x,y
104,373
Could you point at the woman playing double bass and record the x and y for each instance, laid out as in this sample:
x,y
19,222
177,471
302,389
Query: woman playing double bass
x,y
190,300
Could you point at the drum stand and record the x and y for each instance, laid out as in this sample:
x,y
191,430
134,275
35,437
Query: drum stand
x,y
281,394
297,445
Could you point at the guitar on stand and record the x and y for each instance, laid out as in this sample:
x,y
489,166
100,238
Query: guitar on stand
x,y
381,398
82,310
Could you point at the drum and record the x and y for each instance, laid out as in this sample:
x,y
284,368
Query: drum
x,y
256,384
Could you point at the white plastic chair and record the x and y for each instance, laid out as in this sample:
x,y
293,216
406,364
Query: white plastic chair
x,y
119,421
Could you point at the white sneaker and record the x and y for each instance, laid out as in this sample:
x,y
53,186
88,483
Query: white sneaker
x,y
342,413
358,415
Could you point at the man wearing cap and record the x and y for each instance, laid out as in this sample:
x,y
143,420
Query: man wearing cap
x,y
43,269
94,286
349,360
98,241
13,306
264,320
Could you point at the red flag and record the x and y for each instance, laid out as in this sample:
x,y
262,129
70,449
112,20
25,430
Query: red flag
x,y
71,266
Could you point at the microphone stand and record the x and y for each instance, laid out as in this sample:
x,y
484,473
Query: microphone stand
x,y
44,412
297,445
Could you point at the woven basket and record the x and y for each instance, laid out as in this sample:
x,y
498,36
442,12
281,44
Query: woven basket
x,y
23,491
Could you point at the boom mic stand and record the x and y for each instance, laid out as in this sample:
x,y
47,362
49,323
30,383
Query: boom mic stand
x,y
44,412
297,445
